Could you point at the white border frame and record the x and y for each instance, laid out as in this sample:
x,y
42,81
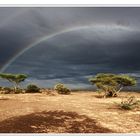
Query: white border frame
x,y
101,136
70,5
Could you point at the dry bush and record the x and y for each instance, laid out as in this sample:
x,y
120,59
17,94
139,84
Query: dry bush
x,y
48,92
129,103
61,89
7,90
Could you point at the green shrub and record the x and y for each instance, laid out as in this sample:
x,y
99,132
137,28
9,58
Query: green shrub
x,y
7,90
32,89
18,90
130,103
61,89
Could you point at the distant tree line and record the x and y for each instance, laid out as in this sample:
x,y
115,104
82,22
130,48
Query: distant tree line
x,y
108,83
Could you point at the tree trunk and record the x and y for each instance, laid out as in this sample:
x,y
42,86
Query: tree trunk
x,y
106,92
119,90
15,85
115,94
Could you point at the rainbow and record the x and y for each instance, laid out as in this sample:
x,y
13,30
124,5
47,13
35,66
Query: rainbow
x,y
36,42
45,38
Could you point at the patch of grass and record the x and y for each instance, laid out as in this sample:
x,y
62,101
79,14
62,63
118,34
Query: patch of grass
x,y
8,90
129,103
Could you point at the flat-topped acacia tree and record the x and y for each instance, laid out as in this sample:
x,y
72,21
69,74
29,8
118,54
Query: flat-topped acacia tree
x,y
15,79
112,84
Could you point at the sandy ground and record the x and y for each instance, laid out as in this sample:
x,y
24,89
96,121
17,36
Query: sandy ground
x,y
80,112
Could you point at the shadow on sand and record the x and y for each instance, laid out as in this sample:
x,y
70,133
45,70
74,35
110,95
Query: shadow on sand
x,y
51,122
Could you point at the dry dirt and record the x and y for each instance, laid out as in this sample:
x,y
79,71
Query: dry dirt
x,y
80,112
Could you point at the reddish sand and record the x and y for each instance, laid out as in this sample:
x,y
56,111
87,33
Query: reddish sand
x,y
80,112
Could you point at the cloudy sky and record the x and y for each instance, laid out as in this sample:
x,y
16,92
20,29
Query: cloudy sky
x,y
69,45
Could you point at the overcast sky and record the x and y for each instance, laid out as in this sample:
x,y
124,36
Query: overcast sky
x,y
79,43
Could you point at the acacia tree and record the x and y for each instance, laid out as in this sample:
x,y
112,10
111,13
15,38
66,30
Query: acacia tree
x,y
112,84
15,79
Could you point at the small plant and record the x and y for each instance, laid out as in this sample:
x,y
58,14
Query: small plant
x,y
61,89
18,90
32,89
6,90
130,103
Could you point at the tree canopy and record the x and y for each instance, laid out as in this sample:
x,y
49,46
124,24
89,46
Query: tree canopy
x,y
14,78
111,84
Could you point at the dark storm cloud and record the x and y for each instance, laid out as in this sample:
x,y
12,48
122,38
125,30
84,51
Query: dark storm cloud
x,y
109,43
80,53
